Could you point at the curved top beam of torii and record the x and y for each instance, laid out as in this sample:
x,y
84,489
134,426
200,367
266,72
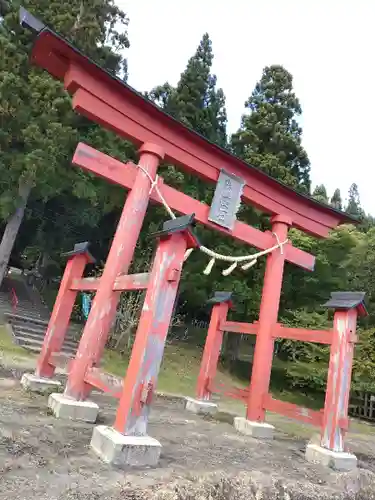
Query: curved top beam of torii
x,y
110,102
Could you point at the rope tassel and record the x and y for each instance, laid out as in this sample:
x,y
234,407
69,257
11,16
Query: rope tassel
x,y
231,268
209,267
247,266
188,252
249,260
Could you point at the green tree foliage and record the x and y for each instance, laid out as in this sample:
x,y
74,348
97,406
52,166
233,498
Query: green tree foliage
x,y
308,290
196,101
336,200
367,222
344,261
364,362
354,205
354,208
270,137
38,128
360,269
320,194
198,104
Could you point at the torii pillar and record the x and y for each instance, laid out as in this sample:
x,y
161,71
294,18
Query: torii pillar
x,y
42,380
332,451
202,404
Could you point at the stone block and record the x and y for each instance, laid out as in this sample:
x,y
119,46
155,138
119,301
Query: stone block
x,y
64,407
116,449
200,407
339,461
258,430
31,382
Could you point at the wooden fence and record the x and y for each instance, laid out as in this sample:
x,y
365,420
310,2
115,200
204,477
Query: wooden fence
x,y
362,406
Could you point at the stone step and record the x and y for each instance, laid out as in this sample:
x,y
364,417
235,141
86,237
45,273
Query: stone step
x,y
22,307
41,330
30,327
38,327
29,320
24,313
36,345
32,348
32,335
73,334
7,299
36,321
29,306
36,349
26,319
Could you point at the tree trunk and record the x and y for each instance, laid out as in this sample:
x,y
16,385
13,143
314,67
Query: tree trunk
x,y
11,229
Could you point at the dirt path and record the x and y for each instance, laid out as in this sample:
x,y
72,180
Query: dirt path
x,y
45,458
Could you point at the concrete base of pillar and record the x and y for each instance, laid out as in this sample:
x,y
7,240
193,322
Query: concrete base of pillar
x,y
64,407
200,407
339,461
31,382
116,449
258,430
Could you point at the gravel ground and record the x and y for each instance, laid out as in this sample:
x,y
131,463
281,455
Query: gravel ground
x,y
45,458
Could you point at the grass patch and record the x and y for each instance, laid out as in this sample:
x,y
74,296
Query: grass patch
x,y
312,401
115,363
357,427
178,372
7,345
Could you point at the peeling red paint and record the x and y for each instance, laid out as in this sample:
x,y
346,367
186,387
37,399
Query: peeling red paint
x,y
242,328
106,382
269,307
333,419
147,353
280,331
104,304
60,317
335,422
228,391
127,282
291,410
211,351
60,360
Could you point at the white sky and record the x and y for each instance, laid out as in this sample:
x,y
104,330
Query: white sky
x,y
327,45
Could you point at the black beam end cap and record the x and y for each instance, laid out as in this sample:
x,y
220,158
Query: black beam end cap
x,y
80,249
178,225
346,301
221,297
30,22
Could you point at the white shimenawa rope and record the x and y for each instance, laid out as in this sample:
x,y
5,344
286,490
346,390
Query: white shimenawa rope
x,y
248,260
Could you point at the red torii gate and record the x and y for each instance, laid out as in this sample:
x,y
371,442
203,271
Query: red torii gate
x,y
333,418
103,98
